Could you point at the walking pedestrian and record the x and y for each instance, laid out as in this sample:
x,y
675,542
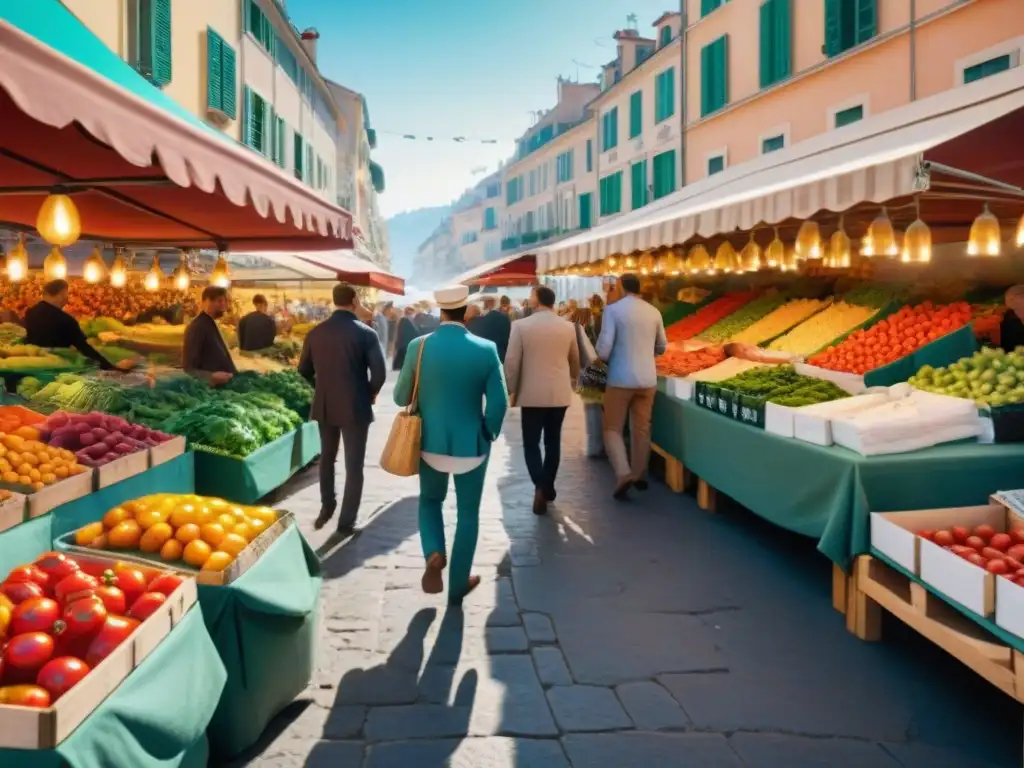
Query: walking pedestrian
x,y
406,332
541,369
342,358
381,323
632,335
457,373
494,326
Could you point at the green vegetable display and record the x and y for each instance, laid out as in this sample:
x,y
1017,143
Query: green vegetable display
x,y
288,385
989,377
876,296
783,386
743,318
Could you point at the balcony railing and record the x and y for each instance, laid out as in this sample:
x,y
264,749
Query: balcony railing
x,y
531,238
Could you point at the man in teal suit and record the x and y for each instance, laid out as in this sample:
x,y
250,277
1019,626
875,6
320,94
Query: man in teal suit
x,y
459,373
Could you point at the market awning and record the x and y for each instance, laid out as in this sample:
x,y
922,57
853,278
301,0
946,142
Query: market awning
x,y
974,128
141,168
341,265
517,269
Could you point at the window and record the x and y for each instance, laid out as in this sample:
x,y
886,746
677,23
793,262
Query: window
x,y
221,75
494,190
150,40
636,114
298,145
707,6
643,53
258,25
544,177
665,95
277,138
776,41
638,182
286,59
664,174
564,164
590,155
716,164
773,143
851,115
611,194
664,36
849,23
490,219
714,76
308,178
988,68
514,190
586,211
533,182
255,130
610,129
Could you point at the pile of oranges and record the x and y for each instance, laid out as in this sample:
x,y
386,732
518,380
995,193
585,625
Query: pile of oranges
x,y
203,532
33,463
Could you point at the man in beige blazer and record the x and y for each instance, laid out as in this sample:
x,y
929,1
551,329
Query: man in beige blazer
x,y
541,368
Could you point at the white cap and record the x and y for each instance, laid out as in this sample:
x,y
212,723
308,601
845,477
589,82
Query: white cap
x,y
453,297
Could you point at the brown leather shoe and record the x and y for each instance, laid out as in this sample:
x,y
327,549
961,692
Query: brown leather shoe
x,y
540,503
432,581
621,492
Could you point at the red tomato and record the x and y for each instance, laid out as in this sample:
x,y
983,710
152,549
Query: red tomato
x,y
165,583
960,534
60,675
976,559
84,617
36,614
26,655
985,531
961,549
56,565
976,542
1001,541
147,605
1016,551
930,535
129,580
944,538
1017,535
113,599
997,566
20,591
76,585
25,696
990,553
114,632
26,573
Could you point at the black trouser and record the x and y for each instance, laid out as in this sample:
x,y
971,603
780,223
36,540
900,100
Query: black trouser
x,y
354,439
543,423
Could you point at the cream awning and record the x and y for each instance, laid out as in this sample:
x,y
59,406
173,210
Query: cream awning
x,y
872,161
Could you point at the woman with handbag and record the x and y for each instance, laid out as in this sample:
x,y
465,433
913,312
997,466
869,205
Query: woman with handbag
x,y
444,431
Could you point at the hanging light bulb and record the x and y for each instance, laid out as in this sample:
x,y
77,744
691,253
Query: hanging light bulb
x,y
93,269
917,241
700,260
17,262
118,270
612,263
750,256
646,264
726,258
58,222
789,261
153,279
55,266
808,242
220,275
1020,233
880,239
986,237
675,265
840,248
775,255
181,276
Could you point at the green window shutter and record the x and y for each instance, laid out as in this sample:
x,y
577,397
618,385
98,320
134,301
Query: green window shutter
x,y
866,20
851,115
705,80
590,155
229,80
767,39
282,137
664,174
987,68
214,83
833,27
617,201
490,220
615,126
776,41
247,120
636,114
638,173
665,36
773,144
722,71
716,164
665,95
161,41
297,150
586,211
707,6
309,163
714,72
274,142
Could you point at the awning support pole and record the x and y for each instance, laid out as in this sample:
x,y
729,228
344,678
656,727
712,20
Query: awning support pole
x,y
950,171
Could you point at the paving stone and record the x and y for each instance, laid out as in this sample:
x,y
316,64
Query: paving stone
x,y
587,708
318,754
539,628
679,750
494,752
551,668
651,707
417,721
917,755
770,750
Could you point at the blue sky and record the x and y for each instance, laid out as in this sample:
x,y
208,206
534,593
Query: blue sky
x,y
473,68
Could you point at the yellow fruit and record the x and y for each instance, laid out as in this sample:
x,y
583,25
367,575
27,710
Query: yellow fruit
x,y
779,321
213,534
171,550
266,514
182,515
114,516
13,442
87,533
24,468
100,542
232,543
257,526
34,475
226,521
14,458
48,478
125,535
44,468
24,480
12,477
149,516
239,514
204,515
188,532
61,471
197,552
816,332
155,537
217,504
218,561
30,458
38,485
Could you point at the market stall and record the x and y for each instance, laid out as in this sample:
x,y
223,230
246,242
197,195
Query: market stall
x,y
517,269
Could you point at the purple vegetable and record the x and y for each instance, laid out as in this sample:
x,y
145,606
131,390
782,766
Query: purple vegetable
x,y
81,427
57,442
123,448
94,419
97,451
86,439
117,437
111,456
99,433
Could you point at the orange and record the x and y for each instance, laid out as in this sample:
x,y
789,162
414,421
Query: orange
x,y
183,514
188,532
100,542
24,480
197,553
125,535
30,458
150,516
14,458
61,471
48,478
243,530
24,468
10,477
87,533
171,550
44,468
38,485
114,516
226,521
204,515
218,561
213,534
155,537
35,475
232,543
257,526
266,514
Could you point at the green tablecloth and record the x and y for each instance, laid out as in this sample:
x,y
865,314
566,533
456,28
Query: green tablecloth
x,y
248,480
264,626
827,493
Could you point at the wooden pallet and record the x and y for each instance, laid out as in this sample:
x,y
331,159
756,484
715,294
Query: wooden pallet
x,y
875,586
676,475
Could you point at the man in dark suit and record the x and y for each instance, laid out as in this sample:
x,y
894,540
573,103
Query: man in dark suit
x,y
493,325
406,332
342,358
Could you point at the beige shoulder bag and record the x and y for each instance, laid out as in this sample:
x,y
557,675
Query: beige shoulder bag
x,y
401,454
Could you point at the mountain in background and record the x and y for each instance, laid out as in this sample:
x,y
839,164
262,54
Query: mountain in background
x,y
406,233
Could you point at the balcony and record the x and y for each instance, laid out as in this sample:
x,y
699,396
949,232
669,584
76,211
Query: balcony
x,y
529,145
511,243
371,137
530,238
377,177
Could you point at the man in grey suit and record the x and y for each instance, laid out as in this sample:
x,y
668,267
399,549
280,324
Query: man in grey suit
x,y
342,358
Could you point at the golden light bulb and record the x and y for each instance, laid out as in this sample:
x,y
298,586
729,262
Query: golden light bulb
x,y
153,278
55,266
220,276
1020,233
840,248
118,272
986,236
917,243
880,239
775,254
58,221
17,263
808,242
182,279
94,267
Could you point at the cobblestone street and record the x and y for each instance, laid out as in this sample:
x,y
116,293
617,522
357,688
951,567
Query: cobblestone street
x,y
607,635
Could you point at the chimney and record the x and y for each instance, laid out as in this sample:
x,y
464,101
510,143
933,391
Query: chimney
x,y
309,38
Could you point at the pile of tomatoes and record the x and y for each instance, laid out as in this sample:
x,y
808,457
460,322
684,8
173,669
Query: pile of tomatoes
x,y
60,617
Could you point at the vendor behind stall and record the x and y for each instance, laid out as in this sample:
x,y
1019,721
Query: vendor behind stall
x,y
204,353
257,329
48,325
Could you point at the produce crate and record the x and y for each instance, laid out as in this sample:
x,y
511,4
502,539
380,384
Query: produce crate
x,y
25,415
51,496
939,353
31,729
12,511
158,454
129,465
242,563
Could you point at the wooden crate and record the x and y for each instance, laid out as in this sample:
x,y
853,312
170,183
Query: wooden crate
x,y
875,586
52,496
159,454
28,728
129,465
676,476
12,511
